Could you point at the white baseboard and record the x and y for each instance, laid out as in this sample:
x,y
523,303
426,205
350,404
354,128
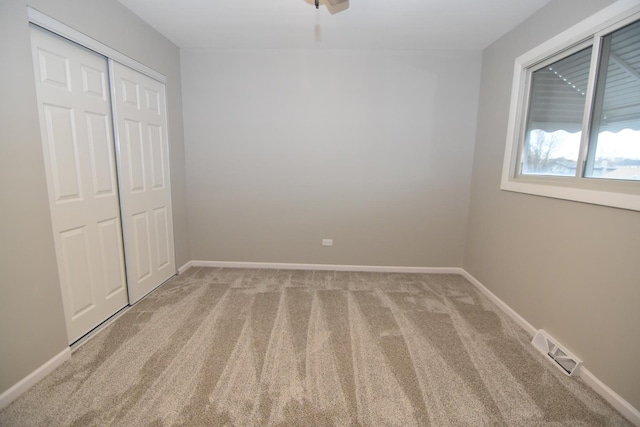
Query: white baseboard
x,y
624,407
185,267
621,405
27,382
324,267
501,304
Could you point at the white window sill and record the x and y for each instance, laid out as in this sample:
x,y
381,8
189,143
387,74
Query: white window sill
x,y
556,191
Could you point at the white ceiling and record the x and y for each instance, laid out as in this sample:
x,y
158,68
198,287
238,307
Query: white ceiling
x,y
365,24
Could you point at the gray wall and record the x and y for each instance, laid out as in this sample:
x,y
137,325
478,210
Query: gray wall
x,y
32,327
371,149
570,268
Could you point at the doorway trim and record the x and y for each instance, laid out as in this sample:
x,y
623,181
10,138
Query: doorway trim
x,y
40,19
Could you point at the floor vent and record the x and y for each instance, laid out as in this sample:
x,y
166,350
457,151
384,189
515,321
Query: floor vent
x,y
563,359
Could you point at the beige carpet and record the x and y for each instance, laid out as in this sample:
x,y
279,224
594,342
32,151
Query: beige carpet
x,y
310,348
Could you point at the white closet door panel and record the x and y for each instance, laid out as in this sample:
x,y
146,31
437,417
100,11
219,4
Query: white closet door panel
x,y
94,82
142,243
75,247
163,249
110,238
63,152
133,144
54,69
143,163
156,157
102,156
76,127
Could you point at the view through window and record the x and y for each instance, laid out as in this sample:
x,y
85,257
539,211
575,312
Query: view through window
x,y
557,100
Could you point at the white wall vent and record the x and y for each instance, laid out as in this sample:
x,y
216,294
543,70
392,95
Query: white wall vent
x,y
563,359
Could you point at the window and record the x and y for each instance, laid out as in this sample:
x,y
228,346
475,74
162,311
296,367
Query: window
x,y
554,117
574,127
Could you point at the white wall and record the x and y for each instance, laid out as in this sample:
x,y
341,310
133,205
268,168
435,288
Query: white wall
x,y
371,149
570,268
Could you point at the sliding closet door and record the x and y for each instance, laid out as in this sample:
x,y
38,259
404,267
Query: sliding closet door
x,y
75,119
143,164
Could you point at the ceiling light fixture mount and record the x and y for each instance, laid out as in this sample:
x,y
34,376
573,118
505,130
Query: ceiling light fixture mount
x,y
333,6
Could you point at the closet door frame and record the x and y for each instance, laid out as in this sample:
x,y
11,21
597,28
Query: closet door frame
x,y
48,23
40,19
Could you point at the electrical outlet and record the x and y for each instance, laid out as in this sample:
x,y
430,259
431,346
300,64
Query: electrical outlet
x,y
327,242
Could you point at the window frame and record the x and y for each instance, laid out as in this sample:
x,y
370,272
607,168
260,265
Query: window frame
x,y
615,193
